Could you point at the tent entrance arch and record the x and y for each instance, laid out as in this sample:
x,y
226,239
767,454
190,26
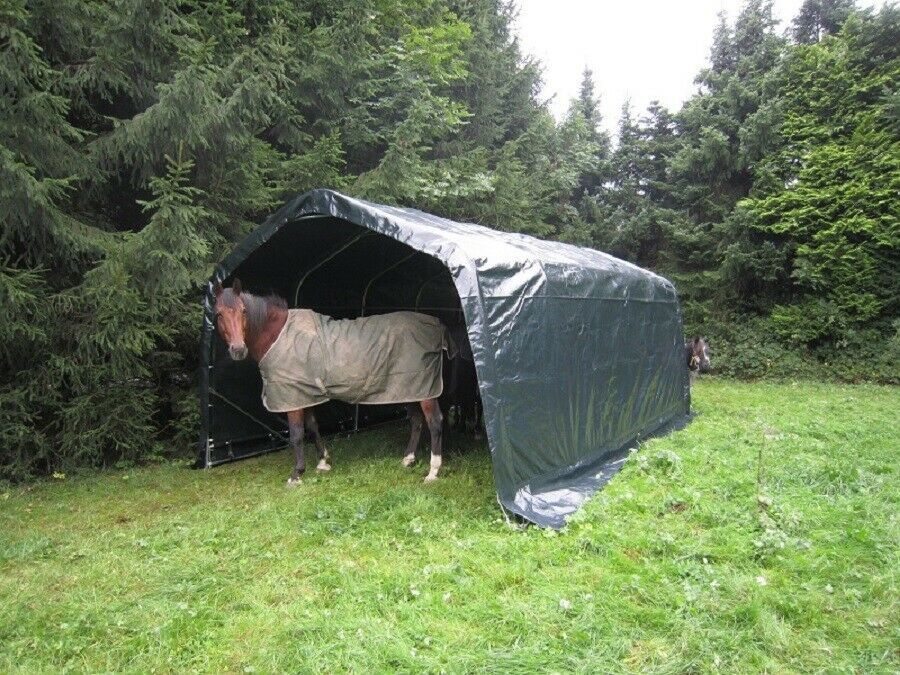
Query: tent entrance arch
x,y
578,354
336,268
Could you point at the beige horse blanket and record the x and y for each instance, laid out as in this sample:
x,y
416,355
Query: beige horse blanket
x,y
386,358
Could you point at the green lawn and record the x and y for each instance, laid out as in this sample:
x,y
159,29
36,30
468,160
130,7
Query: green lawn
x,y
674,567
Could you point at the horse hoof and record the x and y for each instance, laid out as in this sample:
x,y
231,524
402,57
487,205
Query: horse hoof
x,y
294,482
430,479
323,466
409,460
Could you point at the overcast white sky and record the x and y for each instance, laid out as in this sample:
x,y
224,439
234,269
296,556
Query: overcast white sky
x,y
638,49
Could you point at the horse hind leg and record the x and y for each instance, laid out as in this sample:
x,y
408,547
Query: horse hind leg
x,y
435,420
479,416
416,420
324,458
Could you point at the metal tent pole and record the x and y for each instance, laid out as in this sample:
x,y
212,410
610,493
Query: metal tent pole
x,y
362,309
324,260
424,284
244,412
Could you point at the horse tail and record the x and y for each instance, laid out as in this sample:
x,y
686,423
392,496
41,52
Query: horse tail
x,y
449,375
454,375
450,345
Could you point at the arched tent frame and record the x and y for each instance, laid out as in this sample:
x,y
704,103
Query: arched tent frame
x,y
579,355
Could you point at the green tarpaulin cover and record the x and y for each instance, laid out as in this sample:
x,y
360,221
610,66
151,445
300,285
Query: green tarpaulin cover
x,y
578,354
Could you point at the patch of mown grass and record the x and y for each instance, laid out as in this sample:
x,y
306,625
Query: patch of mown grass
x,y
676,566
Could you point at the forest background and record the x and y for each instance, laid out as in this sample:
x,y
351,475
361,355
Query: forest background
x,y
141,139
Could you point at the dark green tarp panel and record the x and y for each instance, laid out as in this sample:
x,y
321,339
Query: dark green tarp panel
x,y
579,355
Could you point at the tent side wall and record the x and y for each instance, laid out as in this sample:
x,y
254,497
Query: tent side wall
x,y
579,382
585,358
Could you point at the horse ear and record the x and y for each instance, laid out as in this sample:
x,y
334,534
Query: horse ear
x,y
218,288
236,287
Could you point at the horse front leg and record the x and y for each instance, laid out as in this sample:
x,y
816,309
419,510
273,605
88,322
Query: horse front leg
x,y
295,427
435,420
415,434
324,458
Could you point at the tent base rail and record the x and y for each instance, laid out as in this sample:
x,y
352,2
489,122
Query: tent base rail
x,y
234,450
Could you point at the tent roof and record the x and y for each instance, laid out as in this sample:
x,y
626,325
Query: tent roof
x,y
571,270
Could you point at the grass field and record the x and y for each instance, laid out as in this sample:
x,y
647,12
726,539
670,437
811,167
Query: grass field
x,y
676,566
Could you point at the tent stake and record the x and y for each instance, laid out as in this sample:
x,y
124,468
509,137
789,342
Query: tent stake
x,y
509,522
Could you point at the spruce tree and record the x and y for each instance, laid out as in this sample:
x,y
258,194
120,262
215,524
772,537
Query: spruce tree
x,y
40,162
818,18
632,214
724,131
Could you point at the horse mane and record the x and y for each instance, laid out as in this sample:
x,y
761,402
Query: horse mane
x,y
256,307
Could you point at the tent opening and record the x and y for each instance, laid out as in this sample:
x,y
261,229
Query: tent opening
x,y
336,268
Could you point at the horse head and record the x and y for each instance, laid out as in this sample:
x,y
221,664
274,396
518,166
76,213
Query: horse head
x,y
231,319
698,354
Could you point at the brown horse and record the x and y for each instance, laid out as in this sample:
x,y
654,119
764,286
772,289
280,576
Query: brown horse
x,y
250,324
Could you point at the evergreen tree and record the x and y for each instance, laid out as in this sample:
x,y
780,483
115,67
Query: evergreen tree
x,y
834,205
24,347
587,105
725,131
633,212
818,18
40,161
501,84
661,144
40,239
537,176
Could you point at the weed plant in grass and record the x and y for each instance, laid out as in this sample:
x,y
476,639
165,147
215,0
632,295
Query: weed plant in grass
x,y
681,564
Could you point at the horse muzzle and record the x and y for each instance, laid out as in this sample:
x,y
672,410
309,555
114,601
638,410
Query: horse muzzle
x,y
237,352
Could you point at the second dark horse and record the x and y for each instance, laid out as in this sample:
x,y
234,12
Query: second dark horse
x,y
697,353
